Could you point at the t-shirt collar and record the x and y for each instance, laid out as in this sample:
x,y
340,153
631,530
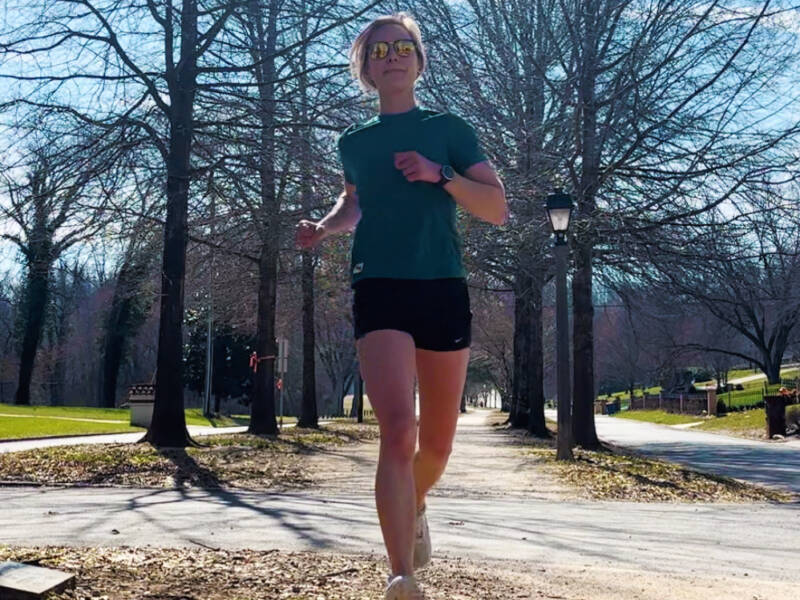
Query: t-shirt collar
x,y
395,117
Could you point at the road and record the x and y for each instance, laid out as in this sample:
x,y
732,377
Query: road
x,y
768,463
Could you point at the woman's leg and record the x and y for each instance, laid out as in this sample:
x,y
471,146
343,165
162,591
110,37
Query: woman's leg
x,y
387,365
441,377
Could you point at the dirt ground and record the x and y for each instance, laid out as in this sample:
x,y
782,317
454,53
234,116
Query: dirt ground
x,y
488,459
200,574
486,462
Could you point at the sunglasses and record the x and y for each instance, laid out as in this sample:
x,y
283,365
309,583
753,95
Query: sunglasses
x,y
380,50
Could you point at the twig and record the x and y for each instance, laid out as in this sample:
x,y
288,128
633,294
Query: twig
x,y
342,572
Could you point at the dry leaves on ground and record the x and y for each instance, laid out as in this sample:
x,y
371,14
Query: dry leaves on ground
x,y
612,474
202,574
234,461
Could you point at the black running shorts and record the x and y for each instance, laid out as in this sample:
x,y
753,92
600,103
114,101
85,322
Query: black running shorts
x,y
434,311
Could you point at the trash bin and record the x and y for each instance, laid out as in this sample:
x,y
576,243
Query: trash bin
x,y
140,399
775,407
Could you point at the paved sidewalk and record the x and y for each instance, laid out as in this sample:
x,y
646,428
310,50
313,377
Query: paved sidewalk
x,y
665,538
767,463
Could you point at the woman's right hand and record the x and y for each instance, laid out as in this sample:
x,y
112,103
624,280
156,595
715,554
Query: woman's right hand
x,y
308,234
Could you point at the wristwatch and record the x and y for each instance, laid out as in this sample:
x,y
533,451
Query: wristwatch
x,y
446,174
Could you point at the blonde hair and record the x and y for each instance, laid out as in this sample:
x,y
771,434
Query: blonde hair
x,y
358,51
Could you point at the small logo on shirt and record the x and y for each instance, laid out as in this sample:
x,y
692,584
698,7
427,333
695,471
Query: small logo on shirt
x,y
458,340
358,268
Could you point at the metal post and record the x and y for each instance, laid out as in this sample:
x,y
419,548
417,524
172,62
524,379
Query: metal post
x,y
282,363
209,363
210,335
280,425
564,445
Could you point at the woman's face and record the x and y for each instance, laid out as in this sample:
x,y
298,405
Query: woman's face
x,y
393,73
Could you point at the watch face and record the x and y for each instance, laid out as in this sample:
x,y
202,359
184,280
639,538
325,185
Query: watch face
x,y
448,172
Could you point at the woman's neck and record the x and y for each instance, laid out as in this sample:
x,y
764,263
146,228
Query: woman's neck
x,y
397,103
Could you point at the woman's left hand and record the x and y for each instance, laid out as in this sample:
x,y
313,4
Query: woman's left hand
x,y
416,167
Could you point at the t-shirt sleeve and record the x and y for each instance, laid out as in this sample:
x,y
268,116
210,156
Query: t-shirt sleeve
x,y
463,145
349,175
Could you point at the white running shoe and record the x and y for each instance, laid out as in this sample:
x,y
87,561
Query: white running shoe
x,y
422,540
403,587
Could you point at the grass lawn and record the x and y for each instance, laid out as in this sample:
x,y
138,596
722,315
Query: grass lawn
x,y
14,428
749,424
737,398
77,412
51,421
657,416
752,422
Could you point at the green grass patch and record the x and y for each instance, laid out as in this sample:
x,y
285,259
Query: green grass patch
x,y
749,424
53,421
194,416
746,420
75,412
657,416
13,428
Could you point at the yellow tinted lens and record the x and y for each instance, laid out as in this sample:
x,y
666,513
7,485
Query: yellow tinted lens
x,y
379,50
404,47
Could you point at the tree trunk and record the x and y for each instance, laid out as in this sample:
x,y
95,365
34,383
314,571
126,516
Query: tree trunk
x,y
58,385
122,323
308,409
262,417
773,371
583,391
535,379
308,405
168,426
520,408
262,408
112,352
37,292
358,396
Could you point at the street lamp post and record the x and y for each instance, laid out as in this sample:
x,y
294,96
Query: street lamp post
x,y
559,210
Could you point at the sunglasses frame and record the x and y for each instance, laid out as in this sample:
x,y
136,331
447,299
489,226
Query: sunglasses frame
x,y
393,44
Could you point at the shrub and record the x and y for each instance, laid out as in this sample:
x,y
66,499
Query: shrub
x,y
793,419
721,407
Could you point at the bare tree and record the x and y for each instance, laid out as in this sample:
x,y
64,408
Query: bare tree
x,y
129,307
741,272
489,61
59,204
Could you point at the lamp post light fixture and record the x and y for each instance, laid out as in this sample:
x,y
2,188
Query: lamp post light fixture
x,y
559,209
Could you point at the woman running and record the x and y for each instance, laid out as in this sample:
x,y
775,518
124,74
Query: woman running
x,y
405,170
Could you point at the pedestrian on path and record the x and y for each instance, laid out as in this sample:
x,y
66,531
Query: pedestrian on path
x,y
405,170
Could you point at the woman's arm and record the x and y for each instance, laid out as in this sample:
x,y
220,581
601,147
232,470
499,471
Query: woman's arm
x,y
479,191
344,216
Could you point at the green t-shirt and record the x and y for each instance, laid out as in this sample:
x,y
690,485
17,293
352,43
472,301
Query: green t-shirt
x,y
407,230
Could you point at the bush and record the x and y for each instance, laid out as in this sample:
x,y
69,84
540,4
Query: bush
x,y
721,407
793,419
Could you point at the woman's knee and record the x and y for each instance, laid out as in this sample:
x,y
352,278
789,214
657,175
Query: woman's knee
x,y
436,451
399,438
